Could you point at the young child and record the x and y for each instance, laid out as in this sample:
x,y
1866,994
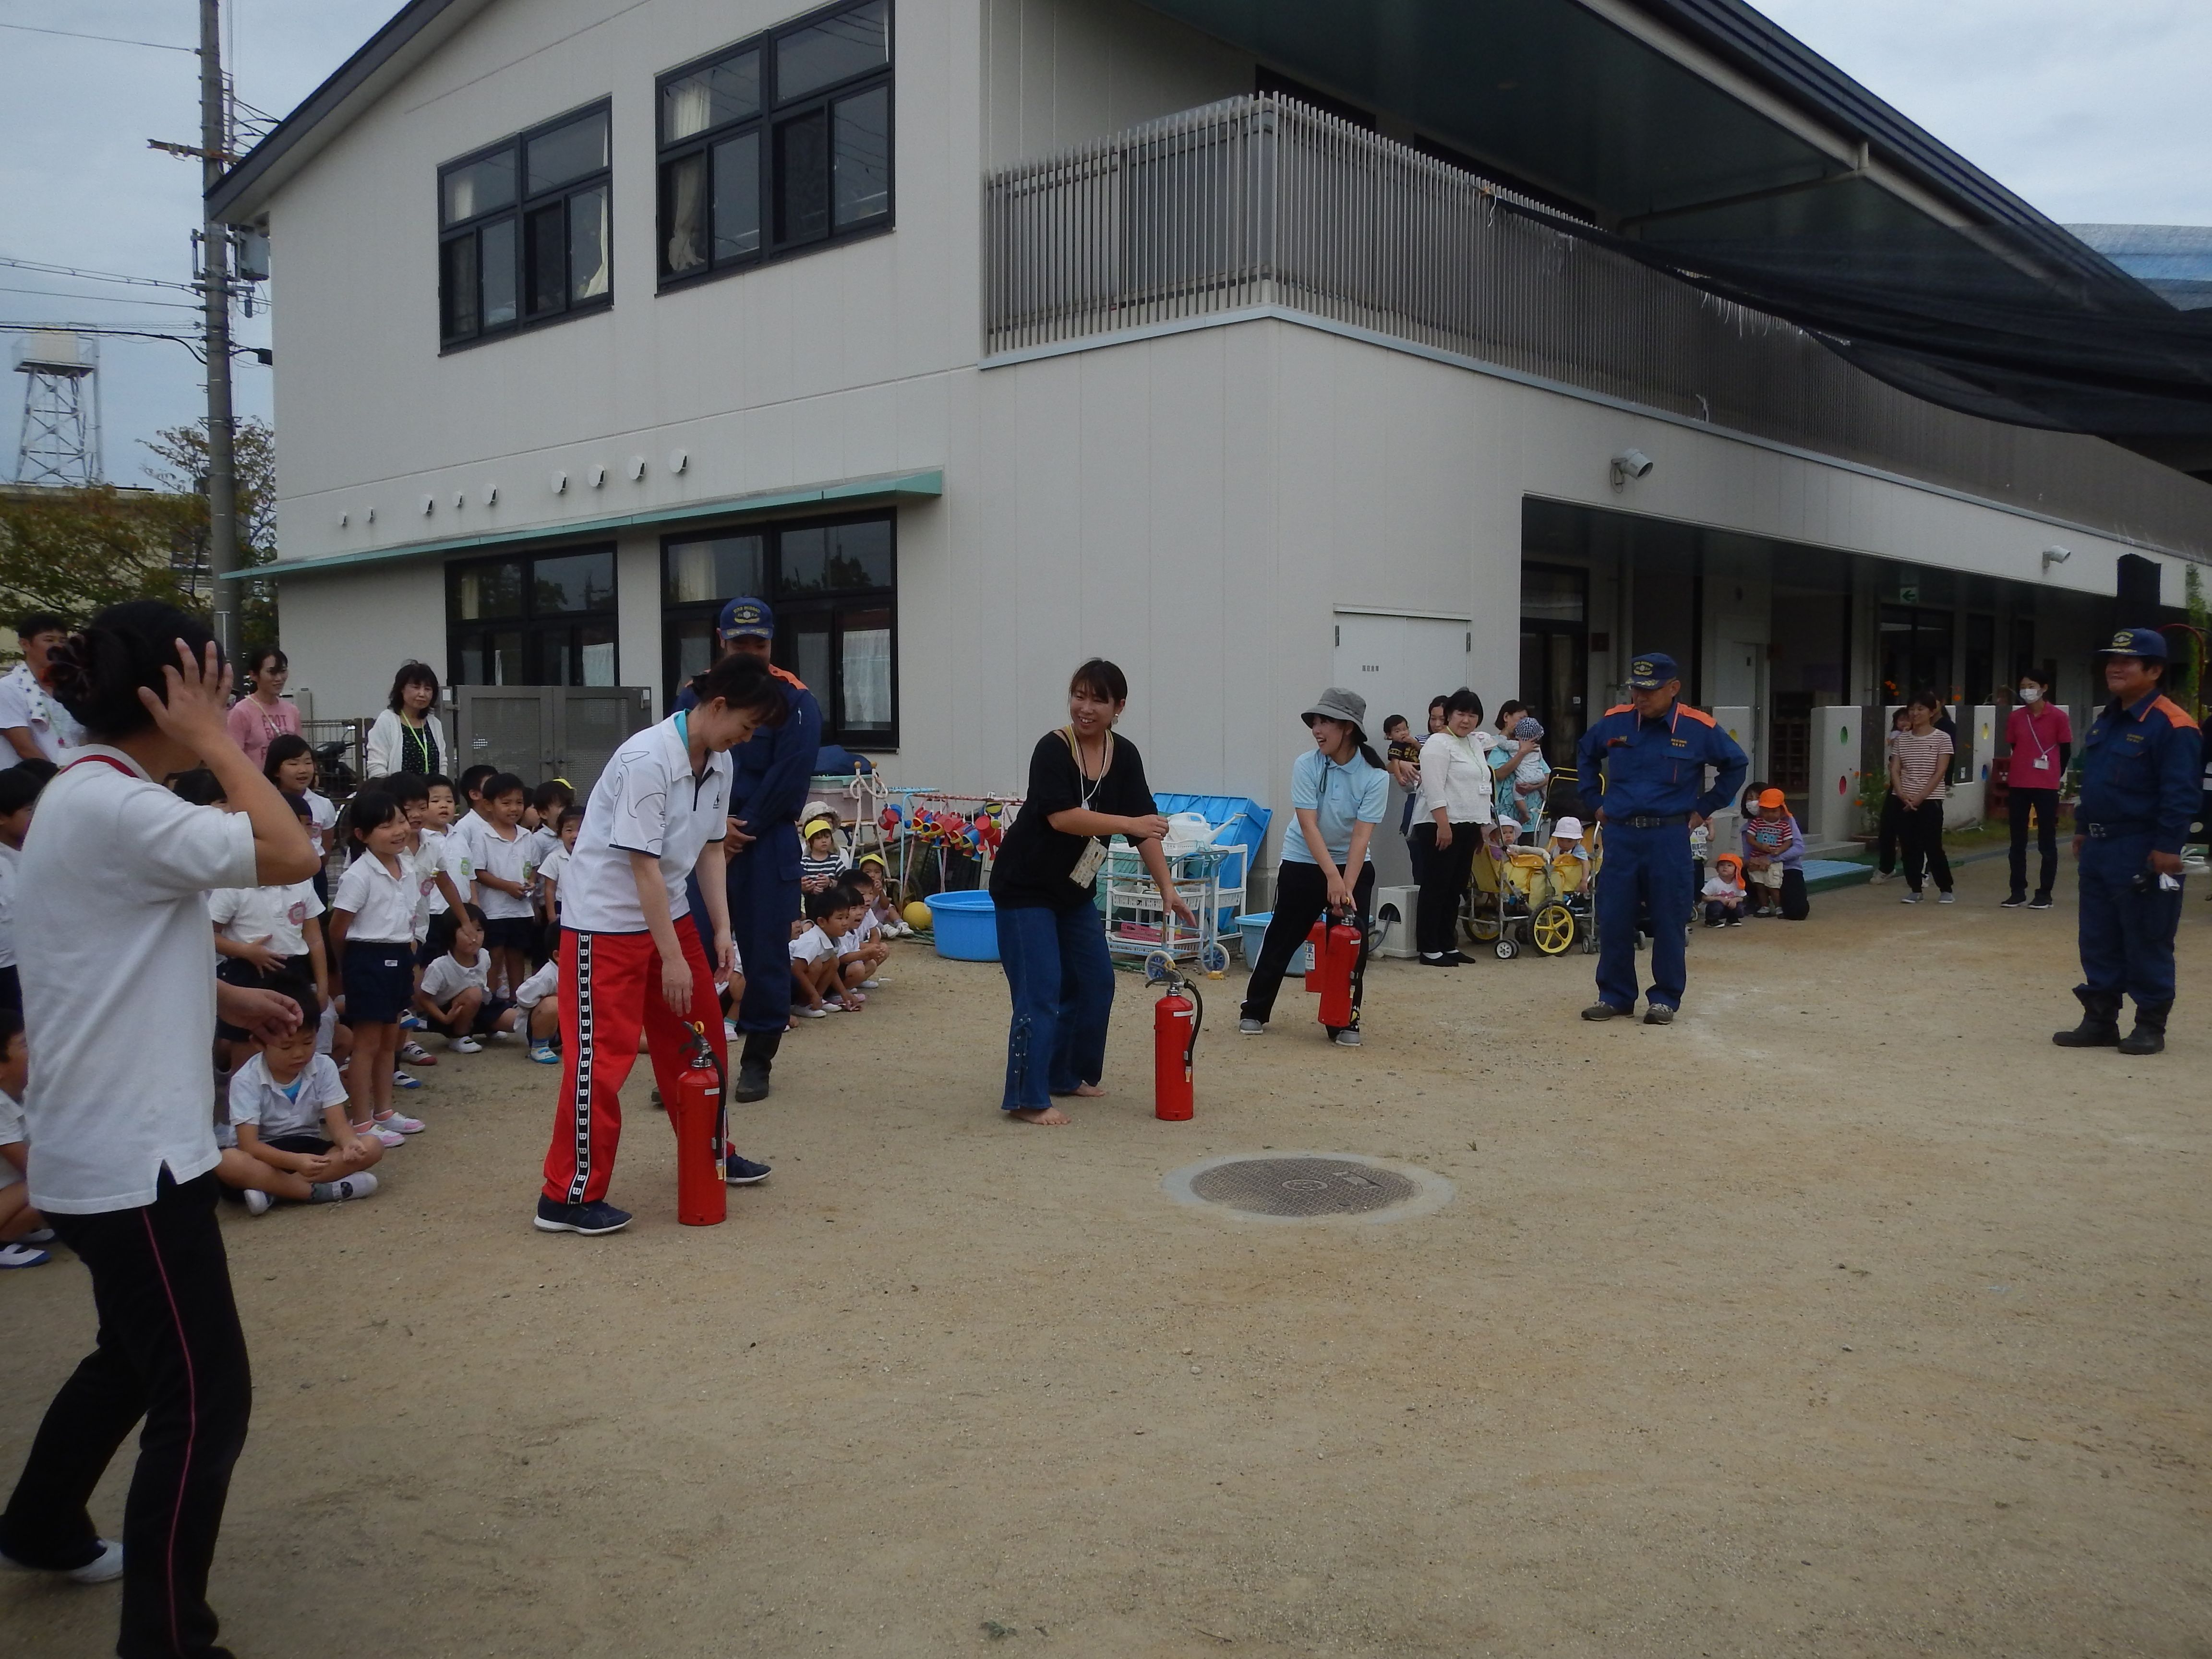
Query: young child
x,y
431,861
500,851
455,995
821,864
262,933
472,783
816,985
549,875
539,999
372,940
1723,892
287,1108
860,951
1532,774
290,765
21,1227
1402,757
19,793
1773,846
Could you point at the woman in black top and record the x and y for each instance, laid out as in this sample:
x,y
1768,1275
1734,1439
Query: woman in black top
x,y
1086,785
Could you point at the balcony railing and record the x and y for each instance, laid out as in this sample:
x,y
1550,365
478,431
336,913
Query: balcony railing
x,y
1263,201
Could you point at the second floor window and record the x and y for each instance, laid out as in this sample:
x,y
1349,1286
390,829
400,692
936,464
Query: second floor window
x,y
523,230
777,143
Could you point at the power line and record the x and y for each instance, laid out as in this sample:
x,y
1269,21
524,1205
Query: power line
x,y
107,299
112,40
93,276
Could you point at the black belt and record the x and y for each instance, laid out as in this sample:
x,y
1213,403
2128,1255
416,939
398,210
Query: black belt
x,y
2107,831
1651,820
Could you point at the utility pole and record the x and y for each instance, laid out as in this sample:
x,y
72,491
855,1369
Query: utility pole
x,y
215,284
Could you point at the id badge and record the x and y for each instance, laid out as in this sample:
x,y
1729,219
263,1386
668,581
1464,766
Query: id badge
x,y
1087,867
2043,762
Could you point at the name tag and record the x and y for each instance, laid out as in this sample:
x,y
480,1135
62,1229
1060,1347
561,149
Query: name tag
x,y
2043,762
1679,742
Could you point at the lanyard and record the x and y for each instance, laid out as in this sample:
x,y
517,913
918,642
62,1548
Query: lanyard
x,y
98,760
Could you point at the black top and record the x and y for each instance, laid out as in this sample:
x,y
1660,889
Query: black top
x,y
1034,862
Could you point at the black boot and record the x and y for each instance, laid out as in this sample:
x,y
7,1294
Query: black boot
x,y
2149,1036
2101,1022
754,1065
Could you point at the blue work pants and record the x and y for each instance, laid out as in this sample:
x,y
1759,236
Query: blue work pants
x,y
1061,977
2127,936
1644,868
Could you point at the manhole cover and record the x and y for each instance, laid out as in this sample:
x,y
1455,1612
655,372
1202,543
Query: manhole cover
x,y
1301,1186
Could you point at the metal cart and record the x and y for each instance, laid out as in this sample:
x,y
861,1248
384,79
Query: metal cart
x,y
1138,923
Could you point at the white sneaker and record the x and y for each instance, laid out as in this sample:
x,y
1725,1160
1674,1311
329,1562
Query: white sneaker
x,y
871,984
400,1122
338,1192
805,1012
257,1201
465,1045
379,1135
1879,877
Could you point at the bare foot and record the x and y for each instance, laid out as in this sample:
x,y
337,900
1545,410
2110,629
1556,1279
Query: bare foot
x,y
1051,1116
1088,1091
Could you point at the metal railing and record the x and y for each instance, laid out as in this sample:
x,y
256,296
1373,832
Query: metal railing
x,y
1262,201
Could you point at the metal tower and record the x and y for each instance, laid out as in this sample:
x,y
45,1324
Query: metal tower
x,y
60,442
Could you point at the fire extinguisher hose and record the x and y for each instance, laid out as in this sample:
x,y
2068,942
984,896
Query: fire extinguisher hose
x,y
700,1046
1197,1019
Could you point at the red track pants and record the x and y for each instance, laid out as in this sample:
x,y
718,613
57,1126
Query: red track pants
x,y
609,987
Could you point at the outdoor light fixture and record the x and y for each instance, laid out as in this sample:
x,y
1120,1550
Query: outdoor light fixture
x,y
1630,463
560,482
2056,556
637,468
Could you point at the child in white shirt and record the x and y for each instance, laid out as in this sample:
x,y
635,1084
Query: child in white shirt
x,y
502,852
1723,893
861,948
287,1108
21,1227
290,765
372,943
19,793
550,876
539,999
455,996
817,984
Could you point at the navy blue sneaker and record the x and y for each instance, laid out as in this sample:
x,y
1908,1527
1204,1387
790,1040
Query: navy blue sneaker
x,y
554,1216
742,1171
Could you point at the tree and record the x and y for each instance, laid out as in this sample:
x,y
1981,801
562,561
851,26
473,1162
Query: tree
x,y
74,551
183,452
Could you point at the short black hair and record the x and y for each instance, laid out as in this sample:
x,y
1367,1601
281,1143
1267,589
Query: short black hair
x,y
503,783
99,674
11,1027
1101,678
33,622
437,781
372,807
18,787
412,673
199,787
821,906
473,778
301,994
744,682
407,786
1463,702
552,791
261,654
1925,700
1389,720
285,745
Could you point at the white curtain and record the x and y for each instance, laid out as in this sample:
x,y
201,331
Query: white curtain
x,y
867,676
687,215
587,243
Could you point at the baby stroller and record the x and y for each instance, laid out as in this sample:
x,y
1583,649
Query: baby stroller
x,y
1574,879
1512,901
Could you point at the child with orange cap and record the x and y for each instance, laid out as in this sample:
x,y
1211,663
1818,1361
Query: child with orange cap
x,y
1723,892
1774,848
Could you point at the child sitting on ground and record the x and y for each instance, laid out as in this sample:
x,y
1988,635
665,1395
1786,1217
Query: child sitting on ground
x,y
22,1228
1773,847
539,999
455,996
821,864
287,1107
859,947
881,916
1723,892
817,986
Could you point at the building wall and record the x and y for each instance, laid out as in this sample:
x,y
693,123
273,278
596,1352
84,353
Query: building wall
x,y
1059,73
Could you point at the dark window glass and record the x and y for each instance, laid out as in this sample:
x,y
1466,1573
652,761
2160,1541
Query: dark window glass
x,y
547,240
498,258
862,168
684,214
487,591
457,286
487,656
576,581
807,640
547,621
1551,593
736,197
567,152
711,97
802,177
588,245
480,187
835,48
692,646
715,569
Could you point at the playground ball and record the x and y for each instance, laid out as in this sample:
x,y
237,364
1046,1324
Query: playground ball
x,y
916,914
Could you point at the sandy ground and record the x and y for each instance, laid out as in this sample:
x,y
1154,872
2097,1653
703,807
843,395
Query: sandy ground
x,y
1846,1316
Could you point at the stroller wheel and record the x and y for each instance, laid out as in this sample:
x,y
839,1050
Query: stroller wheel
x,y
1507,950
1214,958
1553,929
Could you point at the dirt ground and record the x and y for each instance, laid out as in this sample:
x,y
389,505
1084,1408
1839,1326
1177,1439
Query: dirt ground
x,y
1847,1316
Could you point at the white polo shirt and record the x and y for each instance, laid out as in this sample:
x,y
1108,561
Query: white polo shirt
x,y
257,1098
491,853
383,903
11,1134
9,858
25,703
279,914
646,800
447,977
118,999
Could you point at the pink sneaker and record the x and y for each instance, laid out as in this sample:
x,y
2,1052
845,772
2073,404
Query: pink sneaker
x,y
378,1133
404,1124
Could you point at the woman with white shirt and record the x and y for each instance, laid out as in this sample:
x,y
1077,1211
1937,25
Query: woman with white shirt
x,y
406,737
119,1002
1449,813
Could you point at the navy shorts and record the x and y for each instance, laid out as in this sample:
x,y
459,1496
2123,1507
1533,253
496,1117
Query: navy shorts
x,y
379,981
512,933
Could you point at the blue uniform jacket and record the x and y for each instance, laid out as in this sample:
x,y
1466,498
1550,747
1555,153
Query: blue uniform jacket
x,y
2140,771
1634,768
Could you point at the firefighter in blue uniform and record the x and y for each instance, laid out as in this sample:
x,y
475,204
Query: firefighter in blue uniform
x,y
1643,767
2140,786
767,787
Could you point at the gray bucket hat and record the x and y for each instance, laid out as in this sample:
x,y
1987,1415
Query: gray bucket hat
x,y
1338,704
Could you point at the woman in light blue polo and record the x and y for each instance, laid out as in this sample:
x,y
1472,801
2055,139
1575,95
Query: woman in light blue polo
x,y
1339,793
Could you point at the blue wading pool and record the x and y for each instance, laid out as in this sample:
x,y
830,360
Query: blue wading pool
x,y
964,925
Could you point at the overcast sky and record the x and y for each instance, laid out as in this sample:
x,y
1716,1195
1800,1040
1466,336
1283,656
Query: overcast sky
x,y
2093,110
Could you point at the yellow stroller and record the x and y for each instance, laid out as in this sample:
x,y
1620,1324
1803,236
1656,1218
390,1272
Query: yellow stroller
x,y
1513,901
1574,878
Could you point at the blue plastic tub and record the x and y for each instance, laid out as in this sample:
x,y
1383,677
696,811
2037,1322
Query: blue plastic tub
x,y
1253,928
964,925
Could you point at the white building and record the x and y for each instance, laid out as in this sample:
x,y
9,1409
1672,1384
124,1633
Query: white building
x,y
984,336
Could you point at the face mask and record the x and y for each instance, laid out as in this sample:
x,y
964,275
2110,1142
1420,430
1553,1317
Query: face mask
x,y
2031,693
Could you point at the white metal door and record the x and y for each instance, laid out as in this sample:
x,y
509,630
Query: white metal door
x,y
1399,663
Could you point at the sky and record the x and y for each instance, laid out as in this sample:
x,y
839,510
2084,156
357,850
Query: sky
x,y
2093,110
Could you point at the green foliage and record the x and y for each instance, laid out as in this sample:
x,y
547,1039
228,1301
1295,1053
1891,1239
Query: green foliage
x,y
74,551
182,452
1873,796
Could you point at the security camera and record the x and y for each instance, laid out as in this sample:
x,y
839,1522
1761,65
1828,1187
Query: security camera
x,y
1630,463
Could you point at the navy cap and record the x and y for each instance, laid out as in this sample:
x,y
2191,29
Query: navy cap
x,y
747,619
2145,642
1651,670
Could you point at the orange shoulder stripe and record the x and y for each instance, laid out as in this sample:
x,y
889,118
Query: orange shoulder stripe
x,y
1699,714
1621,708
2174,712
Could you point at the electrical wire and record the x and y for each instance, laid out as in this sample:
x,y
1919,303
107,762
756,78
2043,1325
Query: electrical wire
x,y
107,299
112,40
93,276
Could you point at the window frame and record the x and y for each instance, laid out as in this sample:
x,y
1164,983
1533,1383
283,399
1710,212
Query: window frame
x,y
525,207
790,610
535,627
774,115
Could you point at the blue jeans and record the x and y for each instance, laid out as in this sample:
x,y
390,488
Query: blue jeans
x,y
1062,981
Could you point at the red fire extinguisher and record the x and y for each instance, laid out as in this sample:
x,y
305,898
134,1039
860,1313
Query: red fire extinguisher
x,y
1335,961
1176,1018
701,1122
